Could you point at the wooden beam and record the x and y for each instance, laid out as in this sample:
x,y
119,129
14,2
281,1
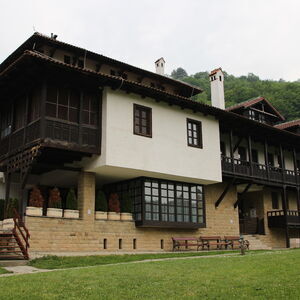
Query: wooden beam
x,y
266,159
222,196
237,144
298,198
7,192
282,162
249,141
295,166
231,149
284,206
241,194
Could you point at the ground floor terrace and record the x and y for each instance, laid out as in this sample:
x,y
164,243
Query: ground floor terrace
x,y
76,211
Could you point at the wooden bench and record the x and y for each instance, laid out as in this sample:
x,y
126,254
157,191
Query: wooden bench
x,y
210,241
185,242
235,241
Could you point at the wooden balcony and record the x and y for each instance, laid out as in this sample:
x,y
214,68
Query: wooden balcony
x,y
278,219
258,171
53,133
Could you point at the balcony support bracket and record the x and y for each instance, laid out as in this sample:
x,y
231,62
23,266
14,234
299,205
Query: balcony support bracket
x,y
241,194
224,192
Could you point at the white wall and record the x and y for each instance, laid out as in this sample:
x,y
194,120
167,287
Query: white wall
x,y
166,154
14,189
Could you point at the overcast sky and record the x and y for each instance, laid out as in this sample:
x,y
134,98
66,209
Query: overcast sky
x,y
241,36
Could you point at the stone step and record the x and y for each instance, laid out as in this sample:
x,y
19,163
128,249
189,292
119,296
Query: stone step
x,y
256,243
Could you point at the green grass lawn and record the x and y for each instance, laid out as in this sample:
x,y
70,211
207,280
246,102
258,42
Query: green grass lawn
x,y
260,275
55,262
3,271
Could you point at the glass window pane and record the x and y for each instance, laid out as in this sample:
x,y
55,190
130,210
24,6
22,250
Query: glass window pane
x,y
50,110
73,115
62,112
63,96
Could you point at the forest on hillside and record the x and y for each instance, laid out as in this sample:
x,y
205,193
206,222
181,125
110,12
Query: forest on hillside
x,y
284,95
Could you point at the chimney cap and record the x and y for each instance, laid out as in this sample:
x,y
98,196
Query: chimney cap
x,y
160,60
215,71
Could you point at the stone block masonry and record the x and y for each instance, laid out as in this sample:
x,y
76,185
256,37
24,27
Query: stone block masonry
x,y
88,234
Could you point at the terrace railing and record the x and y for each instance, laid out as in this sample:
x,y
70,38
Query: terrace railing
x,y
240,167
277,218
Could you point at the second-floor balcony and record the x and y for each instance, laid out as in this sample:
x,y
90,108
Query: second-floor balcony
x,y
259,171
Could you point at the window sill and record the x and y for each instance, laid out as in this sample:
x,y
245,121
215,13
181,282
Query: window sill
x,y
175,225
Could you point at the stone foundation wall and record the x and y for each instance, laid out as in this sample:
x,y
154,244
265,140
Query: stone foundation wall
x,y
56,234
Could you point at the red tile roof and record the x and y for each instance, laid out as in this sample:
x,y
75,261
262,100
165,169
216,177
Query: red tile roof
x,y
253,101
213,72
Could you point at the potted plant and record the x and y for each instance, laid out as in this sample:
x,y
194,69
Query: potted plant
x,y
54,204
101,206
113,207
71,210
126,208
36,201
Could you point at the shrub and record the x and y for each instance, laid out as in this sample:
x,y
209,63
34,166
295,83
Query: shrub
x,y
71,202
36,198
54,198
101,202
126,203
114,203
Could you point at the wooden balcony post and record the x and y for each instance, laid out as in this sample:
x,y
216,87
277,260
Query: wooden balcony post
x,y
7,192
284,206
282,162
295,166
231,149
43,110
298,199
266,158
250,154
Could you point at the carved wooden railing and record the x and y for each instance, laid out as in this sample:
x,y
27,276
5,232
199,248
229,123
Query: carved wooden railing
x,y
260,171
277,218
21,234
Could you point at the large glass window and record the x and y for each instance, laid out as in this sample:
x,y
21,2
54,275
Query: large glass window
x,y
20,113
62,103
168,201
5,122
90,110
157,202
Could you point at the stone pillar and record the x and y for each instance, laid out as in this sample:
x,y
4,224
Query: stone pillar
x,y
86,196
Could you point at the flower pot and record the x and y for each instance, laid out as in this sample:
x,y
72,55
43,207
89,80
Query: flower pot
x,y
113,216
71,213
101,215
54,212
7,224
34,211
126,217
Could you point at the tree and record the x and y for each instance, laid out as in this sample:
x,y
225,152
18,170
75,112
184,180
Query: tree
x,y
179,73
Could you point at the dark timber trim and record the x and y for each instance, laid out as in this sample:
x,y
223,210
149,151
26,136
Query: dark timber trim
x,y
224,192
284,206
7,191
237,144
242,193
